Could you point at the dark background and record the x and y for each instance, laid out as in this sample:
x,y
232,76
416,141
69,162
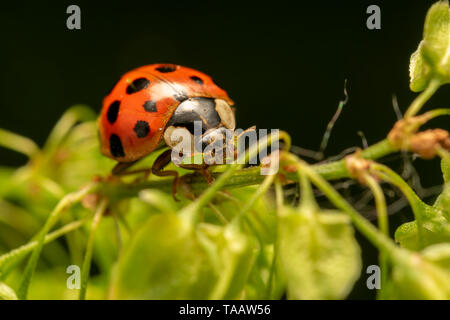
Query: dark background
x,y
283,65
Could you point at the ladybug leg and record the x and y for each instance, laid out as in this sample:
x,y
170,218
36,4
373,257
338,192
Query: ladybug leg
x,y
237,137
200,168
157,169
121,170
252,128
205,172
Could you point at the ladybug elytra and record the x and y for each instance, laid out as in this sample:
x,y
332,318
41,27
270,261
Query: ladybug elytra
x,y
149,103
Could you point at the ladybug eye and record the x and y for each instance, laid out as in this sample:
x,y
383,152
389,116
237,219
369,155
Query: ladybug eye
x,y
166,69
137,85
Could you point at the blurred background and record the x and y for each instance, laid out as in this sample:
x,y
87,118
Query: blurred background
x,y
283,65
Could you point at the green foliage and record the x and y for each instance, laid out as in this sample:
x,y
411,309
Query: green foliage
x,y
233,239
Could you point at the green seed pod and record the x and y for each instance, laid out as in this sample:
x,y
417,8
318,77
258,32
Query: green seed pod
x,y
422,276
317,253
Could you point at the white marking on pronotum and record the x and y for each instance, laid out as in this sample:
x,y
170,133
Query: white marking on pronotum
x,y
226,114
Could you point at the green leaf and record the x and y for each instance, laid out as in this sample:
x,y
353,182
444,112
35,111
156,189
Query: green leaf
x,y
6,293
164,260
318,254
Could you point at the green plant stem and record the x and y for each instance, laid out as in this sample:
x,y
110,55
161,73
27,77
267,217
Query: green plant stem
x,y
338,169
437,113
383,222
240,177
272,273
445,156
422,98
12,258
90,248
381,241
279,203
193,209
65,203
262,189
279,198
307,199
415,202
18,143
70,118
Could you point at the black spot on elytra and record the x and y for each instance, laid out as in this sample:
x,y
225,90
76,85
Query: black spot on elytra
x,y
150,106
113,111
137,85
115,146
166,68
141,129
197,80
180,96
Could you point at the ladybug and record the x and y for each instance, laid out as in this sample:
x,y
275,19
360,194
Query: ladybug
x,y
148,103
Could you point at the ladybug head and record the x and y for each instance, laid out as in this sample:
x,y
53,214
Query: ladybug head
x,y
201,120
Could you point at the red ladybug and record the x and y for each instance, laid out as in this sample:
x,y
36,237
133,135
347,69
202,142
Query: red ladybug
x,y
149,102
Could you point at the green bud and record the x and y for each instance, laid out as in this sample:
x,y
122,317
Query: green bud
x,y
431,60
434,220
419,71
